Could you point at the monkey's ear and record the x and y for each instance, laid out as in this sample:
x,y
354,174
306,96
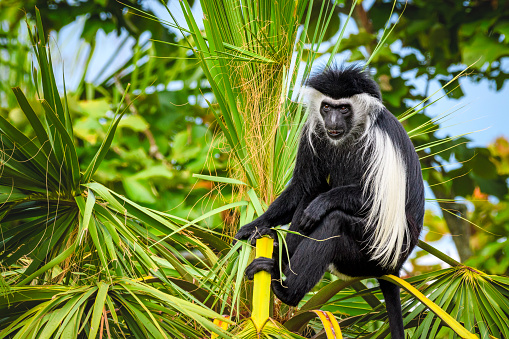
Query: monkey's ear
x,y
367,103
310,96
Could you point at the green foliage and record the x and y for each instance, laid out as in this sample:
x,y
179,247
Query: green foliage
x,y
117,308
479,300
71,246
82,255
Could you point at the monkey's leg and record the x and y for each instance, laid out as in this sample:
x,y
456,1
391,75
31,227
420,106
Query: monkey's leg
x,y
393,305
300,281
302,274
312,258
307,266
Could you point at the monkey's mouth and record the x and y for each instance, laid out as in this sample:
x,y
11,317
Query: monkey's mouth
x,y
335,133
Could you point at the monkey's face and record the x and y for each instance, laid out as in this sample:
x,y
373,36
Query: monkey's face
x,y
340,119
337,118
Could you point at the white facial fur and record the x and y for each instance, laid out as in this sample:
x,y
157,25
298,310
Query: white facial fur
x,y
385,179
365,109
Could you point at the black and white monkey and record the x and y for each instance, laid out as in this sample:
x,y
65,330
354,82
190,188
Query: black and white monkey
x,y
357,182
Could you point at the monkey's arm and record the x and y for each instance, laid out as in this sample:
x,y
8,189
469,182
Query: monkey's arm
x,y
348,199
305,181
280,212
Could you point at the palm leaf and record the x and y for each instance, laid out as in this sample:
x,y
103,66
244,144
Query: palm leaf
x,y
62,233
65,310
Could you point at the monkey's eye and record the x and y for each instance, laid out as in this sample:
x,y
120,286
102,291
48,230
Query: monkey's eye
x,y
344,109
326,107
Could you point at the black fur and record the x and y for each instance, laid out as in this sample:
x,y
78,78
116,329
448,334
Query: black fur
x,y
325,200
393,304
347,81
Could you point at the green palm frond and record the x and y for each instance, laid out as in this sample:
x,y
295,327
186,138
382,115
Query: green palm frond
x,y
117,308
477,301
80,259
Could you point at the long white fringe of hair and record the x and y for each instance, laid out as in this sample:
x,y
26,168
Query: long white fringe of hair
x,y
385,177
385,187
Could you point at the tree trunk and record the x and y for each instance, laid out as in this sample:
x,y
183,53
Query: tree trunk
x,y
459,228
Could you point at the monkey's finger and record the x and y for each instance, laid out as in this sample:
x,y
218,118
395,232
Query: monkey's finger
x,y
244,232
307,224
260,232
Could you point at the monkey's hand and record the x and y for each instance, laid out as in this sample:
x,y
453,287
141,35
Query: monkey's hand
x,y
253,231
312,215
246,231
259,264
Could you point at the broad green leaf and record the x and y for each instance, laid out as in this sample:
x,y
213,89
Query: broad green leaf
x,y
134,122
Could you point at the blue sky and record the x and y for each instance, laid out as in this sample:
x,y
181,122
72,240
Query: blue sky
x,y
485,110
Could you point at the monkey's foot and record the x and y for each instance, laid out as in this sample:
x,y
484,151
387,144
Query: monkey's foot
x,y
259,264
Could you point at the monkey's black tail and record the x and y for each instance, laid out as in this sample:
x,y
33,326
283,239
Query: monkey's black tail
x,y
393,305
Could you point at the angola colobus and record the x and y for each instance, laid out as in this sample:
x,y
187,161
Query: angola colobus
x,y
357,182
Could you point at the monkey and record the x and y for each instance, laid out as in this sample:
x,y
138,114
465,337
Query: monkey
x,y
356,193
